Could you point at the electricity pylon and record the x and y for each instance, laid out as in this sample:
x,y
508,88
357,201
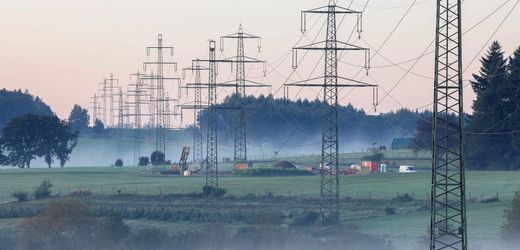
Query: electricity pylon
x,y
329,168
110,93
448,201
160,100
95,108
136,93
197,108
240,154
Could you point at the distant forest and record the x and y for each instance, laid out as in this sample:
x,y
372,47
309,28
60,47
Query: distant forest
x,y
278,122
17,102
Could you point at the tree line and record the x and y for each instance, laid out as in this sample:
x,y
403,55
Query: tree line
x,y
492,132
29,136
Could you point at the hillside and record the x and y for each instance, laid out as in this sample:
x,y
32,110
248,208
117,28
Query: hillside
x,y
16,102
275,122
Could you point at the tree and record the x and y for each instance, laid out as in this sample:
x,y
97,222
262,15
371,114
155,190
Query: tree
x,y
119,163
511,225
66,142
490,109
514,121
29,136
144,161
99,127
79,119
157,158
17,102
22,139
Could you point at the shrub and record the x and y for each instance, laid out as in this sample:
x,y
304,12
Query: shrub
x,y
119,163
511,225
20,195
265,218
157,158
403,198
144,161
44,190
306,219
389,210
214,191
81,193
112,229
64,224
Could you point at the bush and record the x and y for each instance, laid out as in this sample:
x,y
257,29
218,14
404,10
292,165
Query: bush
x,y
20,195
306,219
272,172
44,190
81,193
403,198
389,210
112,229
214,191
144,161
119,163
511,225
157,158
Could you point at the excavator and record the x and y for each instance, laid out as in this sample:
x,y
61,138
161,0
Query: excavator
x,y
182,166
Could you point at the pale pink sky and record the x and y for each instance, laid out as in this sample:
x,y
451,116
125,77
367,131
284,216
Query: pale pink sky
x,y
61,49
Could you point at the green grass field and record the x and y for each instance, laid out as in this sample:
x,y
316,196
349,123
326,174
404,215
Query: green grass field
x,y
484,218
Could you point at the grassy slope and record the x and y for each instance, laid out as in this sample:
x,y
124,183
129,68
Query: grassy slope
x,y
484,219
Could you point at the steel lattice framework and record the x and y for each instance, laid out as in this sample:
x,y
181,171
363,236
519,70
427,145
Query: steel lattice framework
x,y
240,154
448,208
329,168
197,108
212,153
160,101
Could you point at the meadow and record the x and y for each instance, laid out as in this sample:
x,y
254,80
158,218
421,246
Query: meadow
x,y
484,218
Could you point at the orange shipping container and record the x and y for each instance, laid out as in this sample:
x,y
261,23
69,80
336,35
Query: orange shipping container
x,y
241,166
372,166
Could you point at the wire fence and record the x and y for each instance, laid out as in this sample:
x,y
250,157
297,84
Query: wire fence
x,y
356,194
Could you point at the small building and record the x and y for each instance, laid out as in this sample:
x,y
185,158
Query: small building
x,y
402,143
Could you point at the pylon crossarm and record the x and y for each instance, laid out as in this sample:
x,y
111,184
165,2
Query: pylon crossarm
x,y
326,10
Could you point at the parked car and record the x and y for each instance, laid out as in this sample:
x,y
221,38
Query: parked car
x,y
407,169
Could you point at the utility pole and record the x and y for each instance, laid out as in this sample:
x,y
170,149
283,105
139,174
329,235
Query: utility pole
x,y
160,100
240,154
197,108
448,207
329,168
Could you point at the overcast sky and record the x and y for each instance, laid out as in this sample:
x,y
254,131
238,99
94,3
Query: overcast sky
x,y
61,49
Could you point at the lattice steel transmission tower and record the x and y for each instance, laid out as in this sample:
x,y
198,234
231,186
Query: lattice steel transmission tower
x,y
448,208
197,108
240,154
120,108
137,94
109,87
329,168
95,108
160,100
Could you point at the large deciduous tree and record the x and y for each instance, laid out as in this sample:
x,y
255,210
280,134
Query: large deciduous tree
x,y
22,140
27,137
79,119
